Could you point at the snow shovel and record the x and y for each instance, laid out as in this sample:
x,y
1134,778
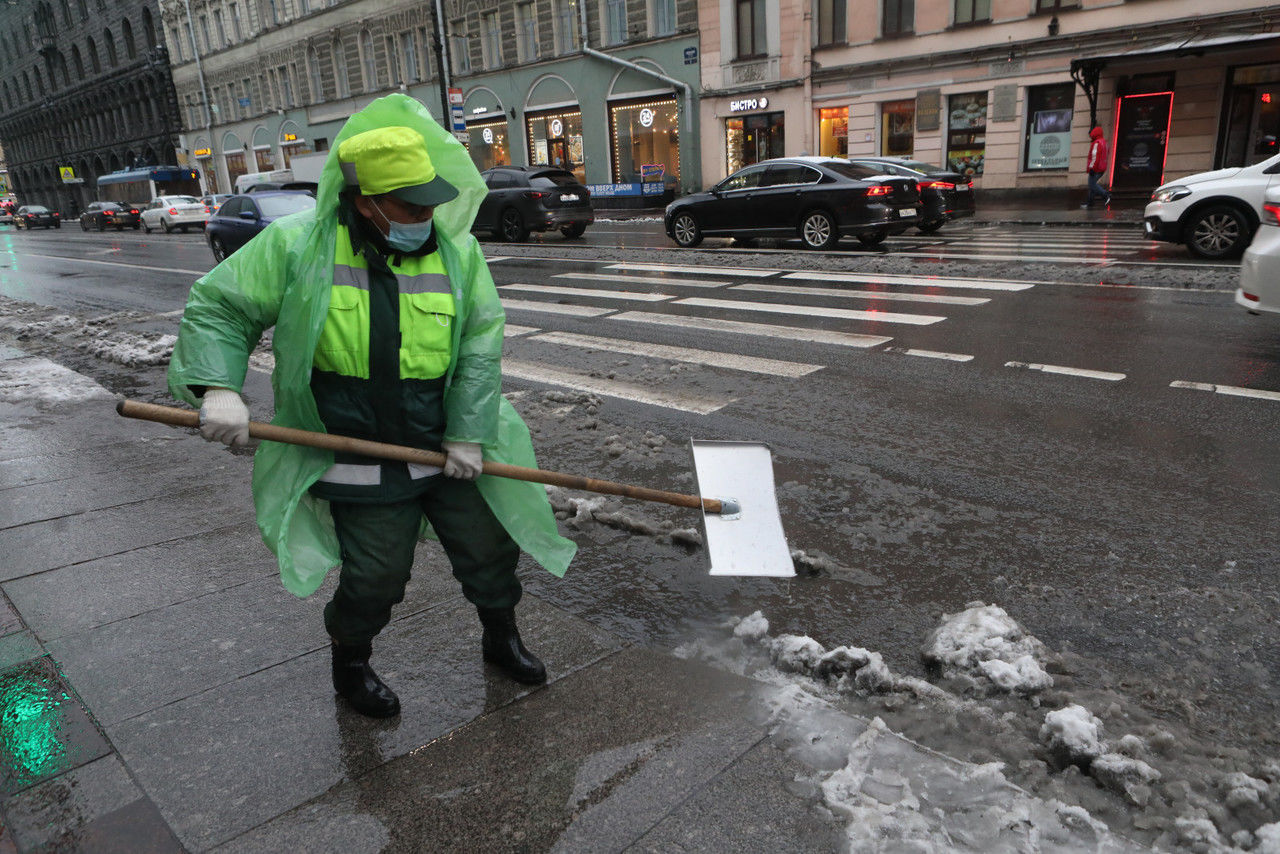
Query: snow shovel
x,y
744,533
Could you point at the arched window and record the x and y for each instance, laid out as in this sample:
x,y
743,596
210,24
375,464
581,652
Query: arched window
x,y
338,54
148,28
313,73
66,13
77,61
84,9
93,56
110,44
39,81
26,84
126,33
368,62
4,91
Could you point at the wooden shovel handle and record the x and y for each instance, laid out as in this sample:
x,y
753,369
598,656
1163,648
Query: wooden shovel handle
x,y
346,444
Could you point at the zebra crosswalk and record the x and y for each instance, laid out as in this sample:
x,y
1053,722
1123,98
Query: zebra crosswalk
x,y
633,307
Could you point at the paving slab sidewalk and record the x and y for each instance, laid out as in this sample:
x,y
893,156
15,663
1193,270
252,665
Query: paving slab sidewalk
x,y
160,692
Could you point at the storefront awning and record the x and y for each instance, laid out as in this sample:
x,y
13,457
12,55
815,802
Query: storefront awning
x,y
1195,45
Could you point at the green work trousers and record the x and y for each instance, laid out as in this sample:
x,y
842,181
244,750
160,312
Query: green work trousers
x,y
378,542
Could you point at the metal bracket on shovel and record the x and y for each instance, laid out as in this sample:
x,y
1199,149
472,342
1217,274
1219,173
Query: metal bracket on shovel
x,y
743,533
749,540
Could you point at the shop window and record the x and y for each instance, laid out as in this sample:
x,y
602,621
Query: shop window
x,y
833,131
973,11
488,145
897,128
899,18
751,139
831,22
967,132
556,139
662,17
750,24
1251,121
1048,136
646,142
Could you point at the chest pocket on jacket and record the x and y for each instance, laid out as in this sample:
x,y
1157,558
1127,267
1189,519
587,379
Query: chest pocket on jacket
x,y
344,342
426,335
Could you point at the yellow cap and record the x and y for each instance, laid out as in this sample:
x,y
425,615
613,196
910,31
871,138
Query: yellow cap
x,y
393,160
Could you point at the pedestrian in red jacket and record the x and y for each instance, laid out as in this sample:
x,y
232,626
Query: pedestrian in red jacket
x,y
1097,166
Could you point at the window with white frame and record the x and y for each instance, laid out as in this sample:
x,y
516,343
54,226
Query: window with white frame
x,y
175,38
368,62
662,17
394,72
460,47
565,21
204,33
219,30
234,12
526,33
409,57
491,45
750,24
615,21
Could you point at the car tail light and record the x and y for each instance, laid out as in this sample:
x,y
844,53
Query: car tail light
x,y
1271,213
937,185
533,194
173,211
881,190
56,214
132,211
1250,297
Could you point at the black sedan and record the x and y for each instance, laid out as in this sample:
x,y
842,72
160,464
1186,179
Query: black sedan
x,y
818,199
104,215
240,218
36,216
944,195
533,198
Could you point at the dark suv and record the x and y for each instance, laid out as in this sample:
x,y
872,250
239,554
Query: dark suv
x,y
533,198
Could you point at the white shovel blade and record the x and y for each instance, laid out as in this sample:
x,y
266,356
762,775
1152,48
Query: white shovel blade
x,y
751,542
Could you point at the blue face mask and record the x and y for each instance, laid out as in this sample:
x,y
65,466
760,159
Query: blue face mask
x,y
406,237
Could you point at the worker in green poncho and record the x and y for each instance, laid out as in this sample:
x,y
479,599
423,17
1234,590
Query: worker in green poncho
x,y
387,327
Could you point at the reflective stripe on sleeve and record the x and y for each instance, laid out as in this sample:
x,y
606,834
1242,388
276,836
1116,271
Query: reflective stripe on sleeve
x,y
419,471
352,474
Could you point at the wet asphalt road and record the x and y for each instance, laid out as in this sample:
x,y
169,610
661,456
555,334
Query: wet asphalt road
x,y
1115,515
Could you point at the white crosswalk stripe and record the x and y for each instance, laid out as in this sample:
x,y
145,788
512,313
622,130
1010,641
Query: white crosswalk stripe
x,y
632,296
940,299
814,311
732,361
641,280
761,330
702,403
745,272
554,308
914,281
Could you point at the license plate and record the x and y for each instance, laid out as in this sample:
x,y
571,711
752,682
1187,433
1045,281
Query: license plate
x,y
569,197
906,211
962,188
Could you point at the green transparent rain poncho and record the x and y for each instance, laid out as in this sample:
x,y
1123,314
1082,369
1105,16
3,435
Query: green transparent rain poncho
x,y
282,278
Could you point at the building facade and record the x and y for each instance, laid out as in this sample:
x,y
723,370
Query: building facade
x,y
1003,90
262,81
85,90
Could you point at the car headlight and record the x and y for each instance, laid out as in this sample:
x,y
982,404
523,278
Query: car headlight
x,y
1170,194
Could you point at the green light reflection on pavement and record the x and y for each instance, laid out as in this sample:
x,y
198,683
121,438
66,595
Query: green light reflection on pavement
x,y
30,726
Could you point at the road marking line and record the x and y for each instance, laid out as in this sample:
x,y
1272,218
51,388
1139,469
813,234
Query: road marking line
x,y
1235,391
814,311
747,272
640,280
843,294
931,354
1074,372
555,308
511,330
587,292
534,372
496,258
764,330
971,256
916,281
732,361
114,264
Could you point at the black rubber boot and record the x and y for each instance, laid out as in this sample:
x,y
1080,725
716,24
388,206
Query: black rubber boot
x,y
503,648
355,681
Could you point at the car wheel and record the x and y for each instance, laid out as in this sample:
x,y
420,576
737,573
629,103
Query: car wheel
x,y
101,226
136,226
219,251
574,230
165,224
57,225
818,230
872,238
1220,231
146,228
931,226
513,228
686,231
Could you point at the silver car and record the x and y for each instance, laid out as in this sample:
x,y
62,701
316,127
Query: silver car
x,y
170,212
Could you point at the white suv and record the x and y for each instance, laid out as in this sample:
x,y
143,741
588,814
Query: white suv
x,y
1214,213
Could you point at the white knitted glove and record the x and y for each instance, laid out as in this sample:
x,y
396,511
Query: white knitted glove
x,y
464,459
224,418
